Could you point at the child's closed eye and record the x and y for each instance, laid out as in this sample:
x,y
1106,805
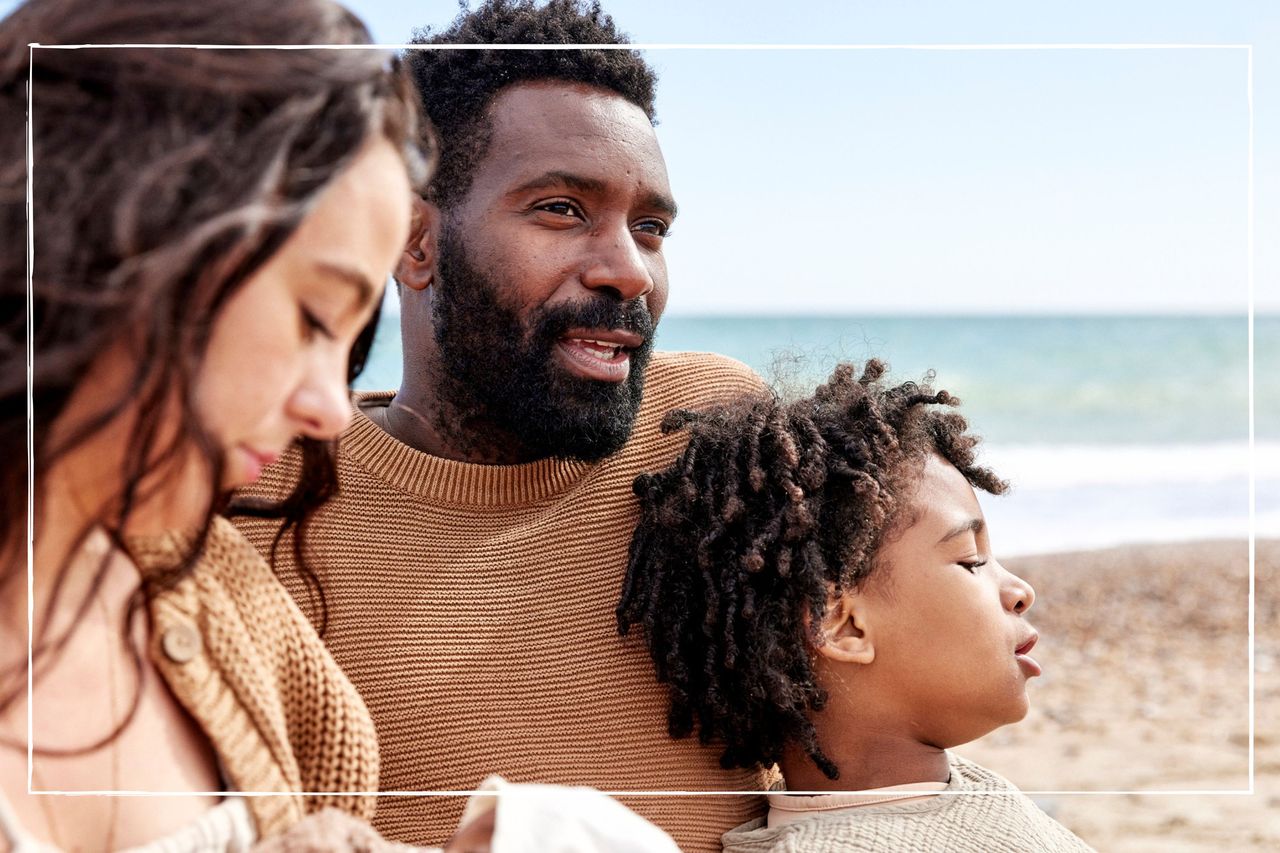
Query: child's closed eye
x,y
971,565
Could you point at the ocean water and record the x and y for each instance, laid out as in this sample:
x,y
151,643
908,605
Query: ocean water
x,y
1111,430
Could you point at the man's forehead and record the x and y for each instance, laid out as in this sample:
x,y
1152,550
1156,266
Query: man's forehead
x,y
531,100
570,128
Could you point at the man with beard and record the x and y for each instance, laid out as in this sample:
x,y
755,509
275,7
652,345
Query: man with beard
x,y
473,557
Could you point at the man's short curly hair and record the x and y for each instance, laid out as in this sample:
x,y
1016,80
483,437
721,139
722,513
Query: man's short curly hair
x,y
770,508
457,86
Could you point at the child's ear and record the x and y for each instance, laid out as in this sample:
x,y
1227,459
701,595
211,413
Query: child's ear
x,y
417,267
846,634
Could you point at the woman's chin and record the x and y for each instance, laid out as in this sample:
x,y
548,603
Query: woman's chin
x,y
182,506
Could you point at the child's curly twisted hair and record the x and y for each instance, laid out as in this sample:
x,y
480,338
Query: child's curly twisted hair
x,y
772,506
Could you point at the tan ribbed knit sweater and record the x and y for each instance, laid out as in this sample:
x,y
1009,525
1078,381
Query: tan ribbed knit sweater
x,y
247,665
980,812
473,607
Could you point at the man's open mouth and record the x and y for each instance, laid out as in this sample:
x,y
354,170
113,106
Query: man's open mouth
x,y
602,350
600,354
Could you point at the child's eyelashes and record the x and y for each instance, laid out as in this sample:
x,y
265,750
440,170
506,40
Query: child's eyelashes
x,y
971,566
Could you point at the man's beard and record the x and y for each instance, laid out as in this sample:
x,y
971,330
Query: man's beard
x,y
504,369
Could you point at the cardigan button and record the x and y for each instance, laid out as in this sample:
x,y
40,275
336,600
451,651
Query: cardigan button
x,y
180,643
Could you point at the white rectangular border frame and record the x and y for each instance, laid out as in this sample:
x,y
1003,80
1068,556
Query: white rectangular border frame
x,y
1248,48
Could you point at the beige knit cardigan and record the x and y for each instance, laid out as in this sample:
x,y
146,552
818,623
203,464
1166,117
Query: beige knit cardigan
x,y
247,665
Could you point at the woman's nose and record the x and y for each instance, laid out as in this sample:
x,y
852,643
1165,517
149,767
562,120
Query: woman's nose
x,y
322,403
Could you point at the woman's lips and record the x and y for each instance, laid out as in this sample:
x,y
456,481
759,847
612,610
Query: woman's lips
x,y
254,461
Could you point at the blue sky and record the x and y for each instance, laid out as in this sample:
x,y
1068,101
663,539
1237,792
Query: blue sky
x,y
887,181
1074,181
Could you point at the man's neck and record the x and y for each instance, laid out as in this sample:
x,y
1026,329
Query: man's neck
x,y
431,423
433,411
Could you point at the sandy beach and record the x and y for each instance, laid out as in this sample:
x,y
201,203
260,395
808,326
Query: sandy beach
x,y
1146,686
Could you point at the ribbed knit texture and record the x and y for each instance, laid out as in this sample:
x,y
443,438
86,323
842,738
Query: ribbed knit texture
x,y
280,714
473,607
980,813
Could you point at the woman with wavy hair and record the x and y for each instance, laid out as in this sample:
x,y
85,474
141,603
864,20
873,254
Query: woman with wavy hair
x,y
211,230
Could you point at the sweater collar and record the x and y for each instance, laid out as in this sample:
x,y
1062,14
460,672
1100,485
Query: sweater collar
x,y
449,481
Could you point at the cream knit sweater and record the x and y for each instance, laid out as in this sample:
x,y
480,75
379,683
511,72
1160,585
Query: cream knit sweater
x,y
980,812
473,608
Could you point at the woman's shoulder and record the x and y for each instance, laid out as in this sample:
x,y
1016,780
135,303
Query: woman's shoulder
x,y
253,672
229,587
225,560
231,566
244,613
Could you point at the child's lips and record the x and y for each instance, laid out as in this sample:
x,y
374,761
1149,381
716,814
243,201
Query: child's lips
x,y
1028,663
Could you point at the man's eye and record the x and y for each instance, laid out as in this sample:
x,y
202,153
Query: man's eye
x,y
561,207
656,227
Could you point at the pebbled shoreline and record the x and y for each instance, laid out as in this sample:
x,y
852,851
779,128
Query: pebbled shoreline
x,y
1145,650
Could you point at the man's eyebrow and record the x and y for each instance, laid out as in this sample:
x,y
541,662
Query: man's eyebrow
x,y
661,202
348,275
558,178
973,525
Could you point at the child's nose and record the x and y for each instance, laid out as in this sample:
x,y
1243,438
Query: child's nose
x,y
1016,594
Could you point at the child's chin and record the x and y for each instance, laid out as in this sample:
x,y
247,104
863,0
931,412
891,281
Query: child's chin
x,y
1014,712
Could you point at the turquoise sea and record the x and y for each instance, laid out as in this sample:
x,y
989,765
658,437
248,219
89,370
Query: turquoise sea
x,y
1112,429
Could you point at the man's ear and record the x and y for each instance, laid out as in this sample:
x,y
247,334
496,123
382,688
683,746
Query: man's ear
x,y
417,267
846,630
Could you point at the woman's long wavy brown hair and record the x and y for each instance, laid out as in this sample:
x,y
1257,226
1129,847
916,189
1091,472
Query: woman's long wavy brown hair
x,y
161,179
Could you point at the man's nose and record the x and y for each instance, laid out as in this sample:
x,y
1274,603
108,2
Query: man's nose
x,y
321,404
616,263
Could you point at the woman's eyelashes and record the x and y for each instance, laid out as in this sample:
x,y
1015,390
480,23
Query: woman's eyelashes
x,y
313,325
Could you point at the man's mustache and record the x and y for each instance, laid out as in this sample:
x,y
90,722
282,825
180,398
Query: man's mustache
x,y
598,313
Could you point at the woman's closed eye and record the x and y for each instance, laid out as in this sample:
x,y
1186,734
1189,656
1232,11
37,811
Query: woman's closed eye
x,y
312,325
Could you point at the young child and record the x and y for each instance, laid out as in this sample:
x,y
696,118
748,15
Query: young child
x,y
816,585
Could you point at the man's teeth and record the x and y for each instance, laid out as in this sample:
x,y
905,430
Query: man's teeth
x,y
600,349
